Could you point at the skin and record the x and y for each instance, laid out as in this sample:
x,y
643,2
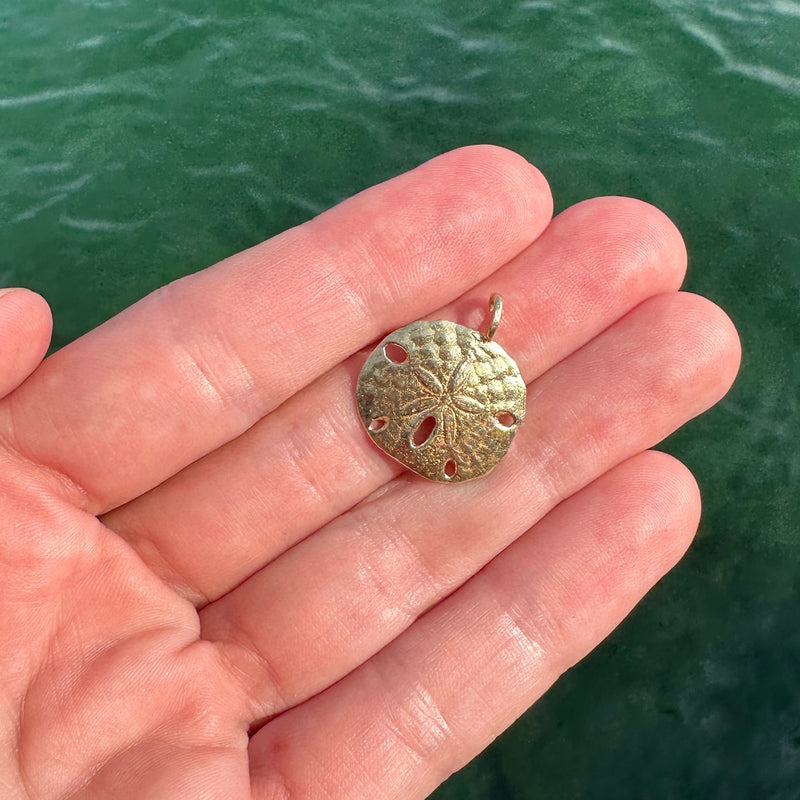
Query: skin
x,y
214,586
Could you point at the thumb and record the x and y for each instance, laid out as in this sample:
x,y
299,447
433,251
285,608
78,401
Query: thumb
x,y
25,328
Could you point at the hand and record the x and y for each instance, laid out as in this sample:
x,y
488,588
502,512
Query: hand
x,y
213,585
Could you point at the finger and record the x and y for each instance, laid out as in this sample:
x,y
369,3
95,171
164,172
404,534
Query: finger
x,y
339,596
198,362
435,697
25,328
221,519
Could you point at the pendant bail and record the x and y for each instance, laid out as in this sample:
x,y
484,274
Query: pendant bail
x,y
496,307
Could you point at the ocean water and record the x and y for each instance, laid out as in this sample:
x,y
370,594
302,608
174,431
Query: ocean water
x,y
140,141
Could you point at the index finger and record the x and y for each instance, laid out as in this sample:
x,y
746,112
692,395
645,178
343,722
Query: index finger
x,y
196,363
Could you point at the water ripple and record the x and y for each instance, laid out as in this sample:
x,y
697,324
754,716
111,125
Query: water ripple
x,y
786,8
536,5
57,192
222,171
92,43
472,44
100,225
177,25
34,211
47,167
615,46
759,72
47,95
83,90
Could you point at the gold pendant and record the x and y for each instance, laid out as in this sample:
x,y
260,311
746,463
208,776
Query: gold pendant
x,y
442,399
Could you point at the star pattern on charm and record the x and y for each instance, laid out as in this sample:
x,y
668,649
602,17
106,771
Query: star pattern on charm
x,y
443,402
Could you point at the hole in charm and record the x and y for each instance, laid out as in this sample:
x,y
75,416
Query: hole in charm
x,y
395,353
423,432
506,419
450,468
378,423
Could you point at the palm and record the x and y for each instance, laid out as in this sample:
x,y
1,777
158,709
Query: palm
x,y
171,628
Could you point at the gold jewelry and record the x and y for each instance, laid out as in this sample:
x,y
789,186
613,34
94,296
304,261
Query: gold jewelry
x,y
442,399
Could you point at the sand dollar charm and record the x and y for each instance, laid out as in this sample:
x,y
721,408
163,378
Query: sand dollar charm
x,y
443,399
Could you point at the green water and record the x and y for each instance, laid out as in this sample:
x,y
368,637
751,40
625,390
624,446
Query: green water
x,y
140,141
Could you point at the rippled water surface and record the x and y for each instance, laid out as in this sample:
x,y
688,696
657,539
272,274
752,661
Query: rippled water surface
x,y
140,141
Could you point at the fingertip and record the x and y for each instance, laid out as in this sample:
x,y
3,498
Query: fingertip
x,y
634,524
445,225
660,239
711,339
509,165
727,343
636,236
26,326
509,179
671,489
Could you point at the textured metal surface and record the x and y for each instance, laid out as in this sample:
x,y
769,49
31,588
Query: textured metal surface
x,y
464,381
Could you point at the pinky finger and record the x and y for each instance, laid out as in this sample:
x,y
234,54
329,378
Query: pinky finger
x,y
25,328
429,702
